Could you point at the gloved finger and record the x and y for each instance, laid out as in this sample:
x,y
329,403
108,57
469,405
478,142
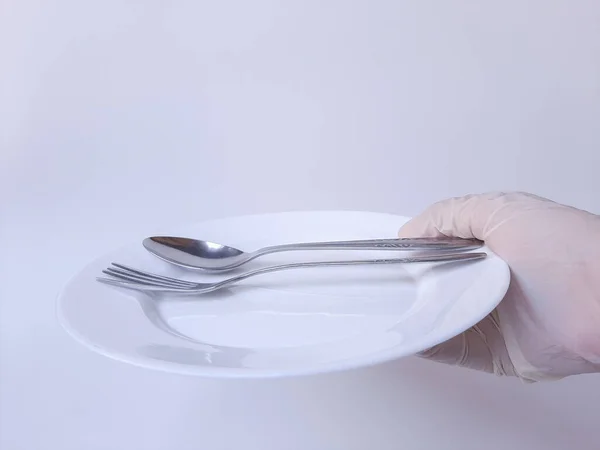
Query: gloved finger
x,y
479,348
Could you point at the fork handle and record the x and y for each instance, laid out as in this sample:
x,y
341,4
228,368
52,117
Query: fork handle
x,y
448,257
136,279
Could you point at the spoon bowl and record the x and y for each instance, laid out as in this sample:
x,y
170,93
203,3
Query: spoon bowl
x,y
195,254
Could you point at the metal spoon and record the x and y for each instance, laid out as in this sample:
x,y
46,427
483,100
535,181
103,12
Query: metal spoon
x,y
197,254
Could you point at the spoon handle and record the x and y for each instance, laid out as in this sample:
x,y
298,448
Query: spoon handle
x,y
411,244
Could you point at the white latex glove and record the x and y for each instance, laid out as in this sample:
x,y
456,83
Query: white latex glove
x,y
548,325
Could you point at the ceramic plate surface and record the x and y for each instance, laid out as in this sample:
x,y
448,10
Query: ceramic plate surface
x,y
294,322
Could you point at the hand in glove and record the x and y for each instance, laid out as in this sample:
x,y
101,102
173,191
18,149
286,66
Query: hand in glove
x,y
548,325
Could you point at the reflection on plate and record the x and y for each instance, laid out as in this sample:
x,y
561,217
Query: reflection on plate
x,y
295,322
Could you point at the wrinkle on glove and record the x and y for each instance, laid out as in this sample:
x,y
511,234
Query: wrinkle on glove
x,y
548,324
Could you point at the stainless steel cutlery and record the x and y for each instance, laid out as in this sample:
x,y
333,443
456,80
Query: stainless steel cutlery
x,y
131,278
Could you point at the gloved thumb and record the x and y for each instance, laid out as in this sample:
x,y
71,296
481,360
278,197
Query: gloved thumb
x,y
463,217
472,216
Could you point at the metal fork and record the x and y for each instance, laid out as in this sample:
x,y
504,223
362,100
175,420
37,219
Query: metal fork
x,y
127,277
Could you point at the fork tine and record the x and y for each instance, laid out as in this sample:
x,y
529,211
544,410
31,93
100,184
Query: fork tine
x,y
134,285
152,275
145,278
142,281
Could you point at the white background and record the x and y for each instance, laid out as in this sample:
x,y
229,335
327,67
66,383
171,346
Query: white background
x,y
120,118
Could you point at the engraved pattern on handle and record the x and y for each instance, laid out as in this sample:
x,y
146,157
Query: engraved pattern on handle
x,y
379,244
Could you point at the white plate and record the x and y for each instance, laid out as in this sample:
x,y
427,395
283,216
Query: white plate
x,y
295,322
